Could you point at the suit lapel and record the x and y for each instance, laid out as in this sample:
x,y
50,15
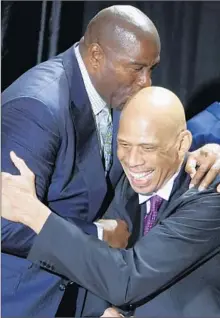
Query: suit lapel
x,y
181,185
143,213
135,213
88,156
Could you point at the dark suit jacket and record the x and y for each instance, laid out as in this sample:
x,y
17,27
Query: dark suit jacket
x,y
179,254
47,120
205,128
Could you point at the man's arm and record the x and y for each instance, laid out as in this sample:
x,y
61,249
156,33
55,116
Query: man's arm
x,y
31,131
116,213
206,140
128,276
205,126
203,165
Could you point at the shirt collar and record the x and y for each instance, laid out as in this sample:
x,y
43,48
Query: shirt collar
x,y
164,192
97,103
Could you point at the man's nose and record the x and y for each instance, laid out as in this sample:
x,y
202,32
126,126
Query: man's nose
x,y
135,158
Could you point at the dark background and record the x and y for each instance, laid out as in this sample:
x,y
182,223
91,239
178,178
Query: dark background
x,y
33,31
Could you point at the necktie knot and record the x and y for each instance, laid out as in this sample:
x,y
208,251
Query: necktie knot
x,y
155,202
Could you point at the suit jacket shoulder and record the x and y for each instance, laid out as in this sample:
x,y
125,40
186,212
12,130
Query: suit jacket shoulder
x,y
46,83
205,126
181,195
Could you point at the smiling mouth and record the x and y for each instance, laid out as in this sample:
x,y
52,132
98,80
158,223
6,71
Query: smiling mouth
x,y
141,176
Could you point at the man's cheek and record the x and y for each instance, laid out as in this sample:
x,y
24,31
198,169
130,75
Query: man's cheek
x,y
120,154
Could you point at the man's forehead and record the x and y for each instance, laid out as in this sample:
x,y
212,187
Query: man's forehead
x,y
142,54
134,132
139,140
147,61
132,41
133,127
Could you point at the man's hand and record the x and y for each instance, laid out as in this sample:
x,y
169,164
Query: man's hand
x,y
207,159
115,233
19,199
111,312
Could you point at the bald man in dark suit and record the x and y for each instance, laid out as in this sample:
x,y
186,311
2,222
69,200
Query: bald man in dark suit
x,y
171,269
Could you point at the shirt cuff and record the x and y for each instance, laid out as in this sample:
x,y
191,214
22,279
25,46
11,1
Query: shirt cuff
x,y
99,230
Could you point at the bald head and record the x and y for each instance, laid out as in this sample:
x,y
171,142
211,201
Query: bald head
x,y
152,138
159,106
119,26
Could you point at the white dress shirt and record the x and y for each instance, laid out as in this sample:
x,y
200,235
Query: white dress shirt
x,y
97,103
164,192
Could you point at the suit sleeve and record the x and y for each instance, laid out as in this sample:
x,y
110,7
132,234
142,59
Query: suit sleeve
x,y
30,129
201,137
200,140
128,276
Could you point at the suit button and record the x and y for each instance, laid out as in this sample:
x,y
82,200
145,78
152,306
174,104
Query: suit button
x,y
62,287
131,307
43,263
70,283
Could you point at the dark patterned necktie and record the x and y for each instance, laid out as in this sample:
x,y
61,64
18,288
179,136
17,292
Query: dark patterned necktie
x,y
150,218
106,129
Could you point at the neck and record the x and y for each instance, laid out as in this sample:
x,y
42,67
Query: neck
x,y
171,175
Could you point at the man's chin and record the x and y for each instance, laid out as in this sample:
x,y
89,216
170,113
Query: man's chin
x,y
144,190
146,193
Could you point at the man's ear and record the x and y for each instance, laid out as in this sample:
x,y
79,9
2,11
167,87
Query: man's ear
x,y
96,55
185,143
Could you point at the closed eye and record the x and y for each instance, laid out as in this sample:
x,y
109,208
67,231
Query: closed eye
x,y
123,144
138,68
148,148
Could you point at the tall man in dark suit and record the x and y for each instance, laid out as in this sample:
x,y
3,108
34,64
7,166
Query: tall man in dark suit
x,y
57,117
172,270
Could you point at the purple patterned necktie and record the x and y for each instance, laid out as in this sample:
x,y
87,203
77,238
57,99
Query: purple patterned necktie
x,y
150,218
